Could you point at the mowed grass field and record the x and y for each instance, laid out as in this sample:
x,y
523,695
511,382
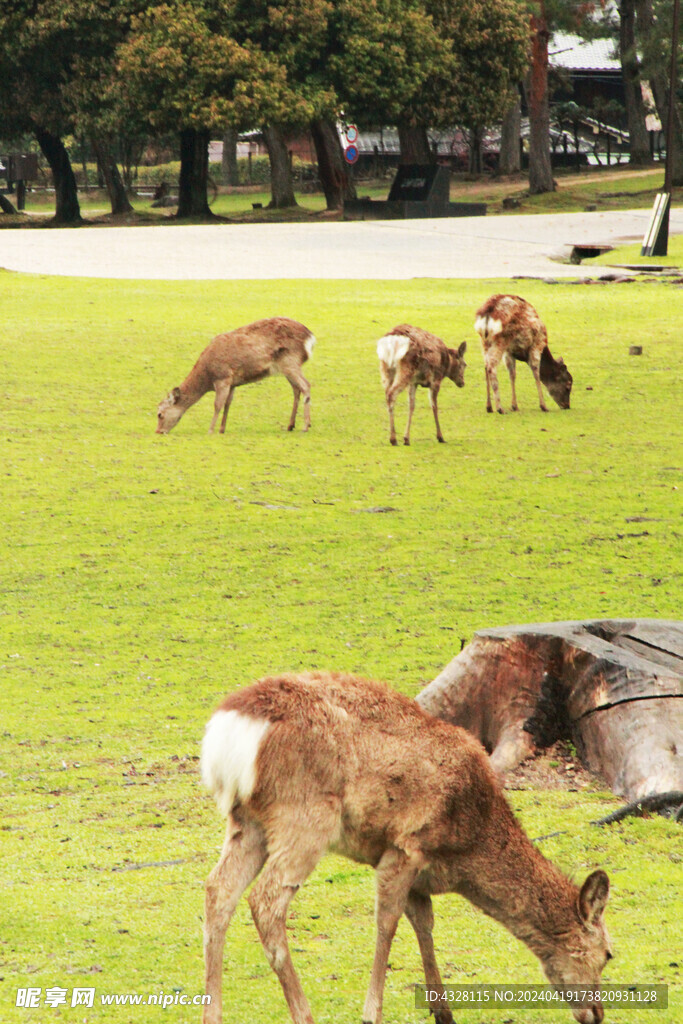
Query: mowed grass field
x,y
145,576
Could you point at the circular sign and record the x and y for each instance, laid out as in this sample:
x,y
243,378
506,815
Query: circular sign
x,y
351,154
351,133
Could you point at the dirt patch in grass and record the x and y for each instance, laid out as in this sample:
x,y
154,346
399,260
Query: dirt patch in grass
x,y
557,768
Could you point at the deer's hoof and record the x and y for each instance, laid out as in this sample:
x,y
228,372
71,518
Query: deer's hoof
x,y
406,440
441,440
392,440
501,412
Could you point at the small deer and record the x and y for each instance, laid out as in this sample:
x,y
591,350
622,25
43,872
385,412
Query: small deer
x,y
242,356
301,764
410,358
510,326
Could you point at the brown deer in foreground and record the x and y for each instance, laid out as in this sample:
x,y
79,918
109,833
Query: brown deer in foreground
x,y
410,358
510,326
242,356
301,764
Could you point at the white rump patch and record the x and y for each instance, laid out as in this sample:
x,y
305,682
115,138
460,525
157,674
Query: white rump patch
x,y
484,325
308,345
392,348
228,761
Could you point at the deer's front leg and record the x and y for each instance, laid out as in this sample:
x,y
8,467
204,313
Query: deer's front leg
x,y
419,913
434,399
534,366
223,389
396,873
226,408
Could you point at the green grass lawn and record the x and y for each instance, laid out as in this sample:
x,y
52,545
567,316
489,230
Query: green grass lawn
x,y
145,576
614,188
630,255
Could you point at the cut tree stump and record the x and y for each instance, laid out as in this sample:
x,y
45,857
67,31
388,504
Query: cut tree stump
x,y
613,688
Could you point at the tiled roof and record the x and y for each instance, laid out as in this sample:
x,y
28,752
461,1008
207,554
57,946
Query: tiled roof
x,y
577,54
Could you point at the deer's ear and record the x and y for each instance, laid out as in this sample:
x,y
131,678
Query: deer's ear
x,y
593,897
462,349
175,395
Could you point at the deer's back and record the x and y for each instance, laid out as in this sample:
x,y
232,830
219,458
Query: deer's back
x,y
395,774
427,355
249,352
512,323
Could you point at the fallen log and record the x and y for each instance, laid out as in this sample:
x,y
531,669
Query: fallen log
x,y
613,688
658,802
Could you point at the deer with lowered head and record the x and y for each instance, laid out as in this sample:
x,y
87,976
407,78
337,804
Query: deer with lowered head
x,y
410,358
301,764
267,347
509,326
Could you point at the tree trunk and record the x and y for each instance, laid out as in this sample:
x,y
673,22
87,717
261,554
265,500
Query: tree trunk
x,y
475,162
612,688
67,209
5,205
229,172
540,169
332,168
194,174
639,145
112,178
657,73
281,184
414,142
510,159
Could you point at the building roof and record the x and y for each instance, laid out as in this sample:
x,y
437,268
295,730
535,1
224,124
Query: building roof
x,y
576,54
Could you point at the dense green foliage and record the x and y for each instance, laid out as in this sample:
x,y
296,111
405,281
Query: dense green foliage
x,y
144,576
71,65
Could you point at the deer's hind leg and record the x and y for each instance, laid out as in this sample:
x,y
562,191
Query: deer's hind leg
x,y
412,390
294,849
492,356
419,913
399,382
512,370
242,857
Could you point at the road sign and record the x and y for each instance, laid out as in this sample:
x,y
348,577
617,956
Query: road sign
x,y
351,154
351,133
656,240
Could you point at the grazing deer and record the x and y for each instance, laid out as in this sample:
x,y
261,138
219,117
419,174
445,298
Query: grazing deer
x,y
410,357
301,764
242,356
510,326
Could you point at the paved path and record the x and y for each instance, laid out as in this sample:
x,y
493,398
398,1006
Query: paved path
x,y
466,247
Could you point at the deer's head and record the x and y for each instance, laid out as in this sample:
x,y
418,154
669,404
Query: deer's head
x,y
556,378
579,955
169,412
457,364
